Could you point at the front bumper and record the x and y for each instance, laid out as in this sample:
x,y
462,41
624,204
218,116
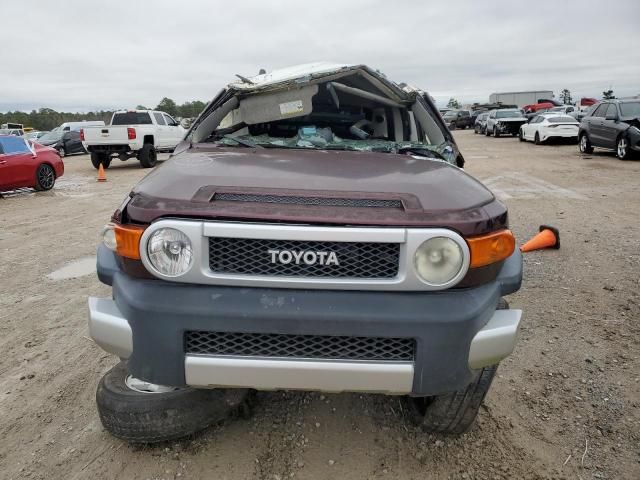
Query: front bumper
x,y
455,331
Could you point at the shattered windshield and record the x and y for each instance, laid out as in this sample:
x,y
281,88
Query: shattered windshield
x,y
325,139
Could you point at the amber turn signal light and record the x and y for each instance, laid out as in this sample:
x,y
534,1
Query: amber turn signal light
x,y
491,248
127,240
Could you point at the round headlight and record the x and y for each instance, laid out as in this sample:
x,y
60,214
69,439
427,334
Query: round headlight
x,y
438,260
170,252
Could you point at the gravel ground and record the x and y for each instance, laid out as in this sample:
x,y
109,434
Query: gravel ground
x,y
564,405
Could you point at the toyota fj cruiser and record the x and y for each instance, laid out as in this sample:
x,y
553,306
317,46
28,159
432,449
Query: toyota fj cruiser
x,y
313,231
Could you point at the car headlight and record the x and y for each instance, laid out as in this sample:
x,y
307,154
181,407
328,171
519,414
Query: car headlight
x,y
170,252
439,260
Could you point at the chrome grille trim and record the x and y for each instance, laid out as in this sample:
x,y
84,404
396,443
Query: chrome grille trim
x,y
409,239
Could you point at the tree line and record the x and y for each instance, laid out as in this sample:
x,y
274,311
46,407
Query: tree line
x,y
48,119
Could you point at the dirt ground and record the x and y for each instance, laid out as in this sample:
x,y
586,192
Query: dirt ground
x,y
564,405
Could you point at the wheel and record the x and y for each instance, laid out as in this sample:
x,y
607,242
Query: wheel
x,y
140,412
148,156
61,151
475,130
520,135
536,139
486,131
453,126
622,148
495,132
455,412
45,177
98,158
584,144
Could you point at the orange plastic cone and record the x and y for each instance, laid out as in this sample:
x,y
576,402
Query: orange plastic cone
x,y
102,177
549,237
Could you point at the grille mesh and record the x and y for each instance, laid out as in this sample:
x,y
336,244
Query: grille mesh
x,y
299,346
251,257
298,200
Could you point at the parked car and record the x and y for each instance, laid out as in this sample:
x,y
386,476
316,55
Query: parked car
x,y
65,142
549,125
458,119
24,164
277,205
133,133
566,109
505,121
580,113
538,107
16,132
35,135
613,125
76,126
480,125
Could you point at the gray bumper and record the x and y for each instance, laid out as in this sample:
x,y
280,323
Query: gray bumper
x,y
111,330
455,331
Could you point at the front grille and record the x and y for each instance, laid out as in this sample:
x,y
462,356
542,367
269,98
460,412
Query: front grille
x,y
299,346
298,200
253,257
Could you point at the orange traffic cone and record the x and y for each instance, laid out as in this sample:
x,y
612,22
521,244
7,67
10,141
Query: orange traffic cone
x,y
549,237
102,177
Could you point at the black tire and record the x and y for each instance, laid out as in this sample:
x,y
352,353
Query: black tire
x,y
520,135
45,177
453,126
623,152
584,144
454,413
487,132
98,158
148,156
61,151
140,417
496,134
475,130
536,139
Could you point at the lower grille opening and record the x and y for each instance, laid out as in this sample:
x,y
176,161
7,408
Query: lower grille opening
x,y
299,346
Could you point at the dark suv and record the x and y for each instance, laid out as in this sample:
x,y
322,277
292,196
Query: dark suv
x,y
458,119
615,125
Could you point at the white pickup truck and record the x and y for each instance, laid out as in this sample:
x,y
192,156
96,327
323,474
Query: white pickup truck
x,y
132,133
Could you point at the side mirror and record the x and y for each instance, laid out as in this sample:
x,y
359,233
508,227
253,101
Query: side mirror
x,y
611,117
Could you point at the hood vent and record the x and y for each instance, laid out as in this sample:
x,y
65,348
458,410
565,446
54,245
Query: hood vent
x,y
300,200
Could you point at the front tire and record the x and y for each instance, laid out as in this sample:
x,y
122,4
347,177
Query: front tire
x,y
584,144
61,151
454,413
622,148
148,417
536,139
495,132
521,135
148,156
45,177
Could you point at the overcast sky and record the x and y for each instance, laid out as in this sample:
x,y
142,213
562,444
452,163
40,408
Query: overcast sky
x,y
80,55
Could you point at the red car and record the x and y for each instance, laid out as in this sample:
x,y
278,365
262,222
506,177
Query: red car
x,y
24,164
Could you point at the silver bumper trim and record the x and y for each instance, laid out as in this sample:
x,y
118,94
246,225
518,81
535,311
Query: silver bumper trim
x,y
496,340
286,374
109,328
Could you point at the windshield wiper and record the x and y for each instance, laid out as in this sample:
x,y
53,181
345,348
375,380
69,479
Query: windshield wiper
x,y
423,152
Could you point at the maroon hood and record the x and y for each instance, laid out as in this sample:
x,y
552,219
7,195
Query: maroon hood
x,y
426,192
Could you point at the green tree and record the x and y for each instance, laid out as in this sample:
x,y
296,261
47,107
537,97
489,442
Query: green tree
x,y
169,106
453,103
141,107
565,96
191,109
608,94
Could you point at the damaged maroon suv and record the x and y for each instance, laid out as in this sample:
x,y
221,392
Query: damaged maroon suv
x,y
313,231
